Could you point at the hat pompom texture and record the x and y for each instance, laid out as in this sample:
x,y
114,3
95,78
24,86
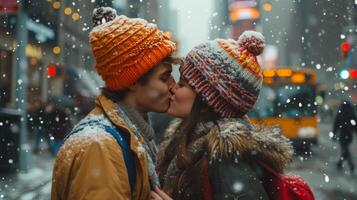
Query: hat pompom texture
x,y
101,15
252,41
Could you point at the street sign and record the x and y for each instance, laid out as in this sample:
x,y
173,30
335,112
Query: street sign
x,y
43,33
8,6
243,10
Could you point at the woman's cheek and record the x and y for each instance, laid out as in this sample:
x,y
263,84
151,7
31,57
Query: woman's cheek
x,y
183,101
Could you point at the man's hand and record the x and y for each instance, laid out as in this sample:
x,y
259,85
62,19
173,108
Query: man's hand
x,y
158,194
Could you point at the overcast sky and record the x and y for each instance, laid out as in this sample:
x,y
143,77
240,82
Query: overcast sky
x,y
193,22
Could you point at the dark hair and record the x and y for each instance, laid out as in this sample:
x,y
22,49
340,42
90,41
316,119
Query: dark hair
x,y
346,108
190,164
119,95
200,112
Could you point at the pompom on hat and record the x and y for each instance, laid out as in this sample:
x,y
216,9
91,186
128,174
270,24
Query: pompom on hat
x,y
226,73
126,48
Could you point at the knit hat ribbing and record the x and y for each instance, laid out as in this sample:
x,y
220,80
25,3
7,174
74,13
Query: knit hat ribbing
x,y
226,73
126,48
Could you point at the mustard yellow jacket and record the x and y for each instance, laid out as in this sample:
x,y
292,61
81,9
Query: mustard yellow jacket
x,y
90,164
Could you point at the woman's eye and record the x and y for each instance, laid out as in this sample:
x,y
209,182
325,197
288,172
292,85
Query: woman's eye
x,y
180,84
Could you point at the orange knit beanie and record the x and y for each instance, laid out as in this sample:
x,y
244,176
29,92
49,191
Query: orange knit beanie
x,y
126,48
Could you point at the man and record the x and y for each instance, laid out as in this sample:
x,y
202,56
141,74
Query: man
x,y
110,154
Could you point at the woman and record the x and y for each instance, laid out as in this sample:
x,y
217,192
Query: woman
x,y
215,153
343,128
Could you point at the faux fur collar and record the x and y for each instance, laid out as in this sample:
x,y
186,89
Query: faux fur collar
x,y
236,138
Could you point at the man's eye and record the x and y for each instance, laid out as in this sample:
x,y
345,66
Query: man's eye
x,y
165,78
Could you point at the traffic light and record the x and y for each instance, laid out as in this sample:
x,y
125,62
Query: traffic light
x,y
51,70
345,47
345,74
353,73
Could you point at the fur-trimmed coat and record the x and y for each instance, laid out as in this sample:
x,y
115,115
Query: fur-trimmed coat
x,y
231,149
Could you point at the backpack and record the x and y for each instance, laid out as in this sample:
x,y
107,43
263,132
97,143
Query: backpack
x,y
286,186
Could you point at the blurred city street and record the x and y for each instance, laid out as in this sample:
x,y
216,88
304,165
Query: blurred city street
x,y
318,169
307,66
34,185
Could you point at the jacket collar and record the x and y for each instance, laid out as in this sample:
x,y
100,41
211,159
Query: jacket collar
x,y
235,138
110,110
109,107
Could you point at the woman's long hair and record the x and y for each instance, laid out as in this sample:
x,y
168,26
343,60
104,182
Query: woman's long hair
x,y
187,183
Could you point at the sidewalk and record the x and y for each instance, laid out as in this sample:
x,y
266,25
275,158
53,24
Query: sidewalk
x,y
34,185
319,169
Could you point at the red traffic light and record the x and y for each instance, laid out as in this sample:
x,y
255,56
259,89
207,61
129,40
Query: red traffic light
x,y
51,70
353,73
345,46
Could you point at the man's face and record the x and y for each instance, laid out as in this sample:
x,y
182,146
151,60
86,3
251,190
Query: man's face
x,y
154,95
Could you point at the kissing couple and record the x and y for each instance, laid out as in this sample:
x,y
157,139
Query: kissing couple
x,y
211,151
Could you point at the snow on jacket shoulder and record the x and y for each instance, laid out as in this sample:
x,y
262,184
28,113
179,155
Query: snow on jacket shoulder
x,y
90,165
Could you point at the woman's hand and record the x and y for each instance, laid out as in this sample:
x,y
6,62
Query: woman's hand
x,y
158,194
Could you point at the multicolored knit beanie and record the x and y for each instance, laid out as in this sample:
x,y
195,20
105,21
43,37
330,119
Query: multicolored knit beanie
x,y
126,48
226,73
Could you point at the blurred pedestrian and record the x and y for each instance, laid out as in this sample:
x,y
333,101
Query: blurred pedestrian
x,y
56,123
343,128
111,153
215,152
37,125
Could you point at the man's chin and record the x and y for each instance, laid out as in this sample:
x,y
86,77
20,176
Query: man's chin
x,y
162,109
171,112
169,108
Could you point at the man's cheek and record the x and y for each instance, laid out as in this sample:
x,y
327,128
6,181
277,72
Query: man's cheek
x,y
153,94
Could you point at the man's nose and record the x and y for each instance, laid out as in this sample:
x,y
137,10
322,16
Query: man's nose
x,y
171,83
173,87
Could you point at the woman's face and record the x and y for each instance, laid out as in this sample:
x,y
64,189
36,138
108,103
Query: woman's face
x,y
182,100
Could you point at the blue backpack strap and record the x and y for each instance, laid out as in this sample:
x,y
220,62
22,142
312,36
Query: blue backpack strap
x,y
127,154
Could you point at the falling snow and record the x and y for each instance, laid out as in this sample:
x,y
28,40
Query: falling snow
x,y
299,35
